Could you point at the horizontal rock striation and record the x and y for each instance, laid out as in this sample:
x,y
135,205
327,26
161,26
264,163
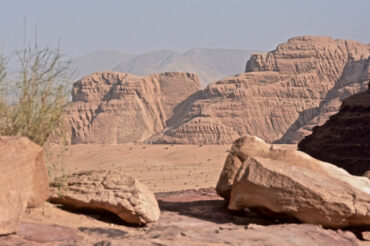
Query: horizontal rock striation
x,y
344,139
354,79
280,91
112,107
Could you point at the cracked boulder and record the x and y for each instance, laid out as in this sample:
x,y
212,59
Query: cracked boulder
x,y
290,182
107,190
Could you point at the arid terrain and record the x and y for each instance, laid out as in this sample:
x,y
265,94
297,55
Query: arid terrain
x,y
160,167
182,176
157,160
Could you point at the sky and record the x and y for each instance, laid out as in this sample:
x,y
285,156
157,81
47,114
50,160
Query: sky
x,y
138,26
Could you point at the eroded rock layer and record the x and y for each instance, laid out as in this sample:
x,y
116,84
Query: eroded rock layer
x,y
354,79
112,107
281,91
344,140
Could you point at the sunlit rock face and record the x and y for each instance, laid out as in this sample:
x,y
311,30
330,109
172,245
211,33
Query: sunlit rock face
x,y
112,107
280,97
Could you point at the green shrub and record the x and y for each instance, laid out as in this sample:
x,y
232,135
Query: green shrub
x,y
32,104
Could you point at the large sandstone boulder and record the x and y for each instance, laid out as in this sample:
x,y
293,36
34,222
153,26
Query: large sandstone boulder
x,y
344,140
112,107
278,97
23,180
108,190
290,182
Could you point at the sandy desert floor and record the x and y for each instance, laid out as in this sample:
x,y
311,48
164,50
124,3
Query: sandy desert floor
x,y
160,167
163,168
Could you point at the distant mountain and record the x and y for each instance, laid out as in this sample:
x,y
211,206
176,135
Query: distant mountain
x,y
210,64
96,62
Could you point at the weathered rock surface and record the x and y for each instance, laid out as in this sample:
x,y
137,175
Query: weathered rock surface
x,y
280,91
292,183
355,78
111,191
23,180
191,217
344,140
112,107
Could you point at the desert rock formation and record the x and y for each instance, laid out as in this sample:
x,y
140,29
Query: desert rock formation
x,y
111,191
23,180
344,140
290,182
280,91
354,79
112,107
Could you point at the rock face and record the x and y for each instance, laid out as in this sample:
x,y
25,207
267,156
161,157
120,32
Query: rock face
x,y
111,191
280,91
344,140
292,183
23,180
355,77
112,107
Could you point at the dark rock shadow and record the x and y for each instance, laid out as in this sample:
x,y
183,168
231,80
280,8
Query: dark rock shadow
x,y
215,209
101,215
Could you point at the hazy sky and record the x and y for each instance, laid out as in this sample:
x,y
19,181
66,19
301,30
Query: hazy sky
x,y
139,26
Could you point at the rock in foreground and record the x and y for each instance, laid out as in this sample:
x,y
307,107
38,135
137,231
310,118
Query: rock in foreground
x,y
23,180
111,191
191,217
344,140
292,183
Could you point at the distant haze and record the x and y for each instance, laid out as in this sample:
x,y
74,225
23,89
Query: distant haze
x,y
142,26
209,64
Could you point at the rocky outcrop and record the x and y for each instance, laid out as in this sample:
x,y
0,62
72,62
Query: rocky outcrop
x,y
23,180
355,77
344,140
112,107
280,91
290,182
108,190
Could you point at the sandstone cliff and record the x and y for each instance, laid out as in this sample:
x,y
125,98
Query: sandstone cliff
x,y
280,91
112,107
354,79
344,139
